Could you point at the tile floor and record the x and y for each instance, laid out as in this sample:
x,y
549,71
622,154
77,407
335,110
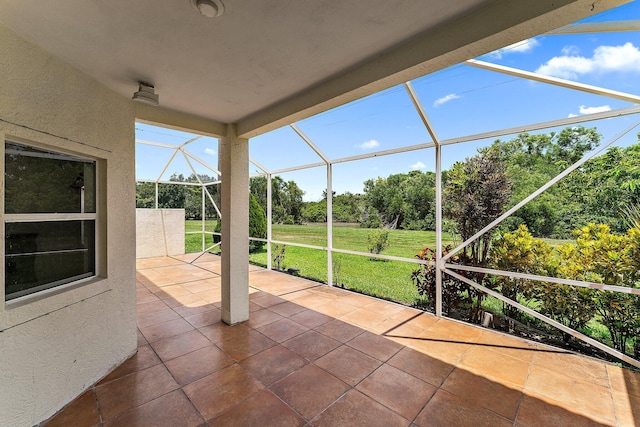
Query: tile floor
x,y
311,355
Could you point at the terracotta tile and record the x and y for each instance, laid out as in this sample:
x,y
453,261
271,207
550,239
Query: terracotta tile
x,y
190,311
164,330
217,392
204,318
574,366
375,346
81,412
245,345
385,308
170,410
149,304
397,390
496,366
335,309
273,364
261,409
421,366
536,411
311,319
627,409
507,345
348,364
311,345
454,331
266,300
287,308
133,390
309,390
424,320
158,316
339,330
311,300
444,350
141,339
143,359
198,364
261,318
623,380
363,318
553,384
219,332
282,330
169,348
355,409
482,392
445,410
186,300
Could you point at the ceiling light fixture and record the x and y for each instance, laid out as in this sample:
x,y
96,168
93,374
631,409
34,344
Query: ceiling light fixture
x,y
146,94
208,8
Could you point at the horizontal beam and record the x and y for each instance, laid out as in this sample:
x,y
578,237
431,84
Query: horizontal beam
x,y
176,120
515,275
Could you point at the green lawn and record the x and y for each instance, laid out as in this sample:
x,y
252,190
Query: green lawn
x,y
385,279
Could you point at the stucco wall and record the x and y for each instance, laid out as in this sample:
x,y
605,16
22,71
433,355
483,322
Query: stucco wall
x,y
55,344
159,232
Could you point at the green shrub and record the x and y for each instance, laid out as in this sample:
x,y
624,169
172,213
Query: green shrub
x,y
257,225
378,241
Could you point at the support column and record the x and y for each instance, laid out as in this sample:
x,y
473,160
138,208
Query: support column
x,y
234,166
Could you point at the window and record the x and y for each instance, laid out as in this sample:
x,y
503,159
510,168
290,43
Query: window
x,y
49,221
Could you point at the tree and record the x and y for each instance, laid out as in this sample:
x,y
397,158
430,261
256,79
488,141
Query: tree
x,y
476,193
404,201
257,224
286,199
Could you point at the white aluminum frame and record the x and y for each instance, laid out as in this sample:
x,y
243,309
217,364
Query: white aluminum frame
x,y
442,267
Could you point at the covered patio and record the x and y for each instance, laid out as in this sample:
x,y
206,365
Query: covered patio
x,y
317,355
219,343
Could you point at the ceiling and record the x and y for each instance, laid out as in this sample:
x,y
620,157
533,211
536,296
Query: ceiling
x,y
265,61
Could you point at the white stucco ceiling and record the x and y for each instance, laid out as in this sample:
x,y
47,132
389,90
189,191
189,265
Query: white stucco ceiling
x,y
261,57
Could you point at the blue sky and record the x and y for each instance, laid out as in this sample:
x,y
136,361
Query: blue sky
x,y
459,101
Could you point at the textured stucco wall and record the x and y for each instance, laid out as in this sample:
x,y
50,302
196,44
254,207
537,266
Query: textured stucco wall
x,y
55,344
159,232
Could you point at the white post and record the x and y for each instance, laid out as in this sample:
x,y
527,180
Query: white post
x,y
269,221
234,166
439,263
204,220
156,195
329,225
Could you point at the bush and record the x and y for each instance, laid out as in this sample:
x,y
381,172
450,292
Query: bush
x,y
257,225
378,241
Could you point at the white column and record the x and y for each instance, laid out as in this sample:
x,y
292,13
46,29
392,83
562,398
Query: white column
x,y
234,165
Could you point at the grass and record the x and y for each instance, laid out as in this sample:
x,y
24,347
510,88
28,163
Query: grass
x,y
385,279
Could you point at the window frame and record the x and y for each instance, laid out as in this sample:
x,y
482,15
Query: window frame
x,y
98,228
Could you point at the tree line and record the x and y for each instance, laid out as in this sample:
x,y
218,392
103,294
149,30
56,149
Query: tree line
x,y
595,192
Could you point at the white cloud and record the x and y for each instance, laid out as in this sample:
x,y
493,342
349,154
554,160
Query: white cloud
x,y
523,46
592,110
368,145
210,151
418,165
605,59
438,102
570,50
